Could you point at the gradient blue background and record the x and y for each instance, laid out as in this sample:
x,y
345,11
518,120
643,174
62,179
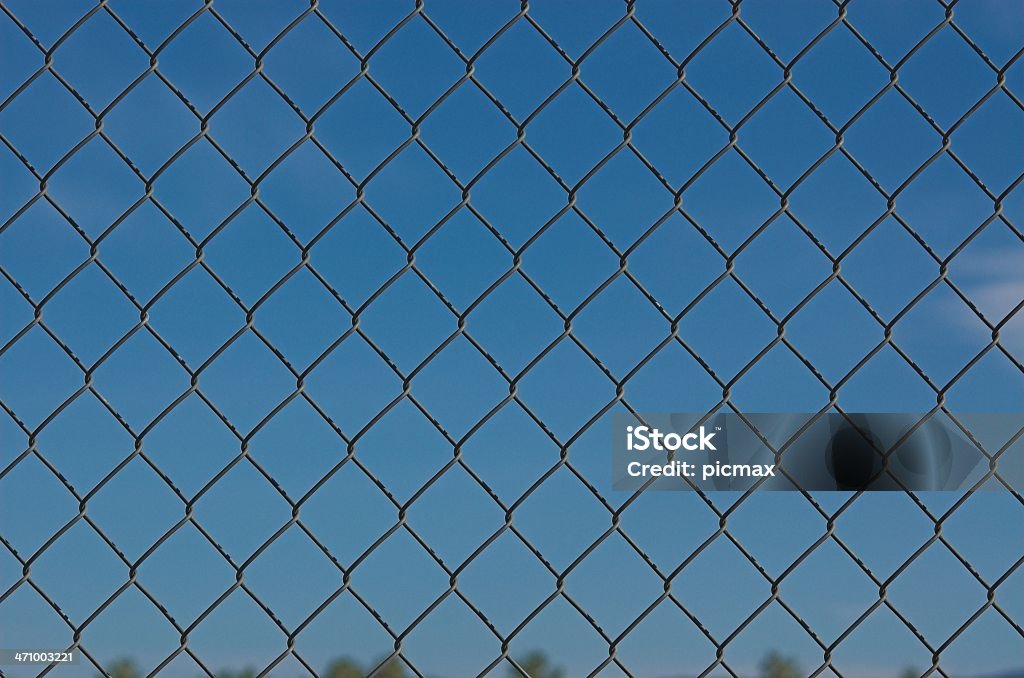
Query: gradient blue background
x,y
250,252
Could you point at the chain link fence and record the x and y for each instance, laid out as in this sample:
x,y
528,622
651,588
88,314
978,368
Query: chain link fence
x,y
990,88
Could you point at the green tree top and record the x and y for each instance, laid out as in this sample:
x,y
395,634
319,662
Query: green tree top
x,y
536,665
346,667
124,668
244,673
776,666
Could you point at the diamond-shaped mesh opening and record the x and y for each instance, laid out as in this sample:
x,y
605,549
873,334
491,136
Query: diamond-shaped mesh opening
x,y
522,69
832,348
891,140
100,75
624,199
45,104
292,599
656,261
619,351
517,196
79,594
130,613
566,389
137,489
627,50
572,134
205,38
247,366
728,89
357,257
871,268
33,397
509,453
558,624
306,191
408,321
361,128
196,316
40,249
100,442
936,314
353,384
150,124
782,266
839,49
95,186
192,591
30,486
546,530
728,349
721,564
785,138
201,189
678,136
191,445
367,514
146,252
416,67
479,387
255,126
424,201
309,357
837,203
911,593
376,451
455,535
477,646
463,282
241,534
297,448
90,297
994,159
236,627
287,322
310,45
544,261
467,131
945,58
709,201
526,578
640,586
403,556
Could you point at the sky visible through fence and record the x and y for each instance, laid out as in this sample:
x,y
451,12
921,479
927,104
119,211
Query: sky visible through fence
x,y
259,180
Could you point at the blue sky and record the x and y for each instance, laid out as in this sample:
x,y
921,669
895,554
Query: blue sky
x,y
517,239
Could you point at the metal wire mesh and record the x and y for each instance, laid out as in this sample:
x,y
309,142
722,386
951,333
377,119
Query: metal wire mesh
x,y
420,15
